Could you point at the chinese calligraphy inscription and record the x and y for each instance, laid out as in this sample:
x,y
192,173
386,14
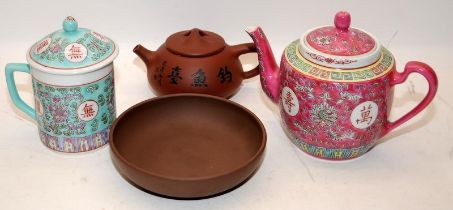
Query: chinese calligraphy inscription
x,y
174,76
199,79
224,75
159,72
75,52
43,45
87,110
289,101
364,114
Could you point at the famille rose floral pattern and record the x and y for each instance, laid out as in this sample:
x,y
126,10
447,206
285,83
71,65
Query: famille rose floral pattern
x,y
332,41
76,118
330,60
332,120
376,70
60,52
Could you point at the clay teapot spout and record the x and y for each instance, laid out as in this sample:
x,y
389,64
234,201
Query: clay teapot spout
x,y
145,54
269,70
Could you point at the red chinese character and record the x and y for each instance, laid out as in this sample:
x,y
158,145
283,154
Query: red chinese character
x,y
289,101
88,111
365,115
75,52
42,45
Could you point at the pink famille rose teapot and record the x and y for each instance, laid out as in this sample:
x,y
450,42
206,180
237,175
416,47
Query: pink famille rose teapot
x,y
334,88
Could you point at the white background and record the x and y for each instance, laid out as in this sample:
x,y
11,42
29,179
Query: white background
x,y
412,169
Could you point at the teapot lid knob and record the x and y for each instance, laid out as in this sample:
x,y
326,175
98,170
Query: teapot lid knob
x,y
342,20
195,43
70,24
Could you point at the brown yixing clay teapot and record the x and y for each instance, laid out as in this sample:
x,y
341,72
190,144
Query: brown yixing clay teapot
x,y
196,61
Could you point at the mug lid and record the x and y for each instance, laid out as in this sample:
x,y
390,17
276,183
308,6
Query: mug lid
x,y
72,48
340,46
195,43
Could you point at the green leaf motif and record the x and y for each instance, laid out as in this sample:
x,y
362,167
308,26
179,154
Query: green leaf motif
x,y
109,80
74,105
62,91
61,58
95,57
94,125
101,100
105,118
92,88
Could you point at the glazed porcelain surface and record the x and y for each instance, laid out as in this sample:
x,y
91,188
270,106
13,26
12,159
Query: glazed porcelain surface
x,y
73,86
196,61
334,88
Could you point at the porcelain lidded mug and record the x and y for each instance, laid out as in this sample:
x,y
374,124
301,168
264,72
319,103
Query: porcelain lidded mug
x,y
335,88
73,86
196,61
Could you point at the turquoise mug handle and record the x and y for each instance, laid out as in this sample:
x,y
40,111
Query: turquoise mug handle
x,y
11,84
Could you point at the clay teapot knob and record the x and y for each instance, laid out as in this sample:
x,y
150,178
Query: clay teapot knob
x,y
70,24
342,20
195,32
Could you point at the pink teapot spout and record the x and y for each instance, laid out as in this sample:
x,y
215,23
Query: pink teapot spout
x,y
269,70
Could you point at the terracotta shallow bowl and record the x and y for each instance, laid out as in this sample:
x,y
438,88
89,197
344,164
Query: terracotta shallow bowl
x,y
187,145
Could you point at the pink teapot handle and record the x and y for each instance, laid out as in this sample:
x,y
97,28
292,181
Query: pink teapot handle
x,y
398,78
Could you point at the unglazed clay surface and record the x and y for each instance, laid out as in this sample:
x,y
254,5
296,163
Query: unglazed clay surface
x,y
196,61
204,148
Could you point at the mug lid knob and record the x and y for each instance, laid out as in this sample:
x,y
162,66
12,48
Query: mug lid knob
x,y
70,24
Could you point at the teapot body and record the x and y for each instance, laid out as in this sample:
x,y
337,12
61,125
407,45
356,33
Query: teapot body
x,y
220,74
333,113
335,88
196,61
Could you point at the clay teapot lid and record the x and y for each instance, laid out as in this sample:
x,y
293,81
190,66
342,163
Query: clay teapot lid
x,y
72,50
195,43
340,46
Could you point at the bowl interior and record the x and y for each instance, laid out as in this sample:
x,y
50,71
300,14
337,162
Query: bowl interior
x,y
188,137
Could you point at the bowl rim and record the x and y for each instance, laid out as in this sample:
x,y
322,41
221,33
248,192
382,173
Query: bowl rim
x,y
256,156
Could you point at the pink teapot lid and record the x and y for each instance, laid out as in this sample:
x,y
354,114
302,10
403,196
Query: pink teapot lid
x,y
340,46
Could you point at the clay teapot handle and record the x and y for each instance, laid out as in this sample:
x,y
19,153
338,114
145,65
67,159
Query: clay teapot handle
x,y
398,78
243,49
